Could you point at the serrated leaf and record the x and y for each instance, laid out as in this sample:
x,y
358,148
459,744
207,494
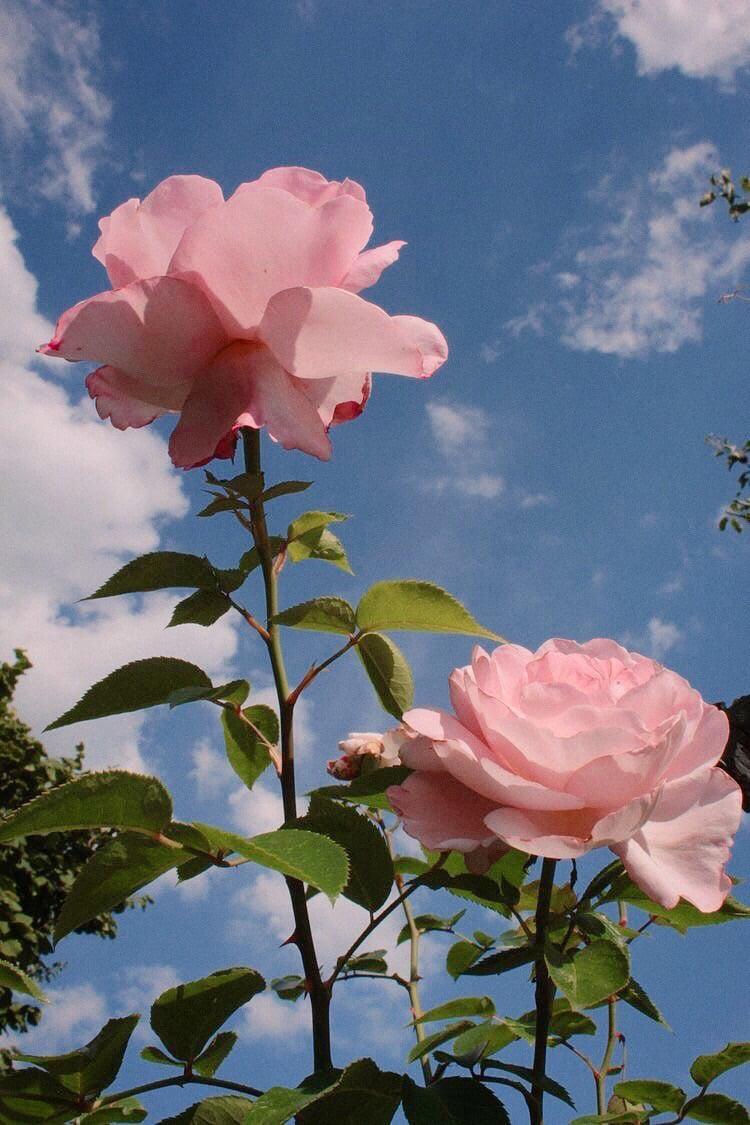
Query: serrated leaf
x,y
370,865
485,1039
285,488
185,1017
32,1095
247,740
223,504
452,1101
312,521
548,1084
682,917
590,974
461,956
635,995
369,789
251,559
430,923
158,570
372,961
708,1067
204,607
465,1006
111,875
90,1069
217,1050
227,1110
304,855
503,962
308,537
363,1093
323,615
234,692
18,981
111,799
289,988
156,1055
126,1110
134,687
279,1103
416,605
388,671
662,1096
437,1038
249,485
718,1109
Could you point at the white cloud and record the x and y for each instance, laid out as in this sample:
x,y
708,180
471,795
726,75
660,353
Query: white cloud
x,y
49,94
455,426
662,636
73,1016
211,772
701,38
644,278
535,499
462,436
78,499
257,810
269,1018
142,984
532,321
567,280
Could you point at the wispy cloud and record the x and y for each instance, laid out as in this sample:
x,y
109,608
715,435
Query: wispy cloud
x,y
657,639
49,97
700,38
461,434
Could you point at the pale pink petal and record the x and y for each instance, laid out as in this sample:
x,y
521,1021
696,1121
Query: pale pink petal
x,y
339,399
369,266
317,333
619,778
138,239
128,402
682,849
310,186
705,745
263,240
162,330
565,835
245,386
441,813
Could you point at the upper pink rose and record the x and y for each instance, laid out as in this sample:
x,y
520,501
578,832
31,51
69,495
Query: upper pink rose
x,y
242,312
575,747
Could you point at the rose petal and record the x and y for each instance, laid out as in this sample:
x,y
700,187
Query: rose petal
x,y
245,386
339,399
162,330
441,813
263,240
317,333
139,238
127,402
369,266
682,849
310,186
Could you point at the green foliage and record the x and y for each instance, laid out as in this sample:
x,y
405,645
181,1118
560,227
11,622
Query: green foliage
x,y
634,994
370,866
416,605
226,1110
324,615
129,1109
548,1084
363,1093
590,974
134,687
430,923
388,671
737,511
452,1101
204,607
160,570
661,1096
36,872
465,1006
248,739
682,917
502,962
292,851
90,1069
309,537
279,1104
368,789
215,1053
718,1109
708,1067
185,1017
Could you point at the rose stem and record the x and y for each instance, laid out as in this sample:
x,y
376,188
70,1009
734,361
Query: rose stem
x,y
320,997
544,993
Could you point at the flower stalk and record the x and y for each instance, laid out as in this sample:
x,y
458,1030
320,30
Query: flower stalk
x,y
544,992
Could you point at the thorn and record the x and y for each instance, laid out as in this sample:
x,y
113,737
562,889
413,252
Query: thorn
x,y
293,939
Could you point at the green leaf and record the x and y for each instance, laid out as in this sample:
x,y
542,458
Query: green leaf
x,y
639,999
135,686
217,1050
128,1109
461,956
324,615
18,981
113,799
312,521
308,537
430,923
249,485
90,1069
185,1017
465,1006
452,1101
484,1040
412,604
223,504
437,1038
156,1055
251,559
548,1084
370,865
204,607
682,917
502,962
31,1095
304,855
707,1067
662,1096
227,1110
113,873
388,671
278,1104
285,488
247,740
590,974
234,692
373,961
159,570
289,988
718,1109
363,1093
193,868
369,789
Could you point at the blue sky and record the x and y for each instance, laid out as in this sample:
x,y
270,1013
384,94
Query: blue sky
x,y
544,164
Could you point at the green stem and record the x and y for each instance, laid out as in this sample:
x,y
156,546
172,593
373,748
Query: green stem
x,y
178,1080
320,994
601,1074
544,992
414,938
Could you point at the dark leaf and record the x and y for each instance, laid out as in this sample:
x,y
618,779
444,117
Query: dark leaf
x,y
159,570
217,1050
249,739
452,1101
90,1069
204,607
185,1017
388,671
370,866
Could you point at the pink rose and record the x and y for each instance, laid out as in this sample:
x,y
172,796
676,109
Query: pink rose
x,y
575,747
364,748
242,312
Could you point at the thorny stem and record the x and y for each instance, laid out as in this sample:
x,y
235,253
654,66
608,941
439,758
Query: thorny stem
x,y
414,939
320,995
544,993
178,1080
